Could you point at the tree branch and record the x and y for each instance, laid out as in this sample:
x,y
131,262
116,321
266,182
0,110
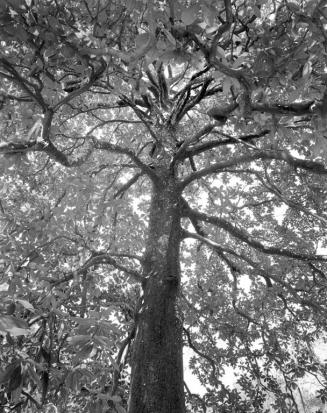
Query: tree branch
x,y
96,260
98,144
24,84
83,88
312,166
268,276
193,139
206,357
196,150
249,240
126,57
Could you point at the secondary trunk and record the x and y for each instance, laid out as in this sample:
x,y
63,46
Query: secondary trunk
x,y
157,361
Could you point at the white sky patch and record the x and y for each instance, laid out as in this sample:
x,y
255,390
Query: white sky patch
x,y
4,287
245,283
320,249
191,380
279,213
193,383
137,201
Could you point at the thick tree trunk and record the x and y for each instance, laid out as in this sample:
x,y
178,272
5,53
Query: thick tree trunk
x,y
157,361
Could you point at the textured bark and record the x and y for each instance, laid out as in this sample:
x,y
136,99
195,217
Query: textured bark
x,y
157,364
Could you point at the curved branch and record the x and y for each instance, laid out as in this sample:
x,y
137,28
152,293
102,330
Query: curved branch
x,y
268,276
98,144
205,356
312,166
24,84
126,342
83,88
96,260
293,109
203,404
192,102
249,240
196,150
126,57
181,153
127,185
45,145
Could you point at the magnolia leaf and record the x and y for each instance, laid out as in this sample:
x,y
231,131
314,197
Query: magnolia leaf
x,y
189,15
209,15
319,149
295,8
239,61
307,69
15,379
211,29
72,381
141,40
83,353
6,374
16,332
169,37
67,51
26,305
227,84
217,75
221,51
35,378
256,11
102,341
11,308
13,325
16,4
113,362
116,399
78,340
119,408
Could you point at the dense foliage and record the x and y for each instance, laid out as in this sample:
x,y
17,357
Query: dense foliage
x,y
98,100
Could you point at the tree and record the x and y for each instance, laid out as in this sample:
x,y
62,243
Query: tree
x,y
163,184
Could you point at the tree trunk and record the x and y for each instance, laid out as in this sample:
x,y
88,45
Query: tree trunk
x,y
157,361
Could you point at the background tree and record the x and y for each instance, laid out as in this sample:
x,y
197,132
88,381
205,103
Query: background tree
x,y
163,185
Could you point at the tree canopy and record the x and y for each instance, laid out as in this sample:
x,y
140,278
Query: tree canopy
x,y
163,186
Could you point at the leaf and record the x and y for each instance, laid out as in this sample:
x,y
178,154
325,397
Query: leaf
x,y
9,339
67,51
13,325
78,340
119,408
5,375
209,14
26,305
113,362
34,376
217,75
84,353
169,37
256,11
11,308
239,61
45,354
221,52
189,15
227,84
116,399
141,40
293,7
307,69
16,4
15,379
15,394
